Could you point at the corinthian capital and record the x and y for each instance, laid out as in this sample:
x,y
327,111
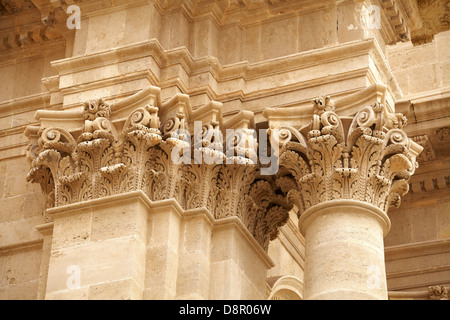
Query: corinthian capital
x,y
142,144
366,157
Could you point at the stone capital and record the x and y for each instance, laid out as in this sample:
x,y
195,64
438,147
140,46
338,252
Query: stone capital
x,y
343,172
365,157
141,144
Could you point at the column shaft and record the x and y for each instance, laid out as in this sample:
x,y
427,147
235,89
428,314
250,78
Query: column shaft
x,y
344,251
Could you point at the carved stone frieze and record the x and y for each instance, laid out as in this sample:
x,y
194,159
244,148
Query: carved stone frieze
x,y
367,157
14,6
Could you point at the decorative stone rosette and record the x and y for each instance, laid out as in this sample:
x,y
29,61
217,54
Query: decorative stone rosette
x,y
367,157
106,157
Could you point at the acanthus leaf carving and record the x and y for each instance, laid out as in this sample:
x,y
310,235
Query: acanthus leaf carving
x,y
266,212
100,161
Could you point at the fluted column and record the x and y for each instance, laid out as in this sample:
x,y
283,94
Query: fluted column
x,y
343,174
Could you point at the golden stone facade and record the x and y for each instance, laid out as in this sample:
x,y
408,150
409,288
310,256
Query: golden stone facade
x,y
225,149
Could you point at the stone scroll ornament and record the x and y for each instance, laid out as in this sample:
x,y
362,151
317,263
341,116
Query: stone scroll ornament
x,y
367,157
98,160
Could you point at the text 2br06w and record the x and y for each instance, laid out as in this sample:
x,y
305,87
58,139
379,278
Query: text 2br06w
x,y
246,309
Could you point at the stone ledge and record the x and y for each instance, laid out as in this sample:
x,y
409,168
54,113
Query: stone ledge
x,y
417,249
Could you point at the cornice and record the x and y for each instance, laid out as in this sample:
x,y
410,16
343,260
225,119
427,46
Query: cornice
x,y
32,23
244,69
243,81
410,13
243,13
430,182
20,245
398,267
435,18
9,7
396,19
428,116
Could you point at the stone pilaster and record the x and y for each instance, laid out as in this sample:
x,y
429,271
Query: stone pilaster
x,y
99,249
343,173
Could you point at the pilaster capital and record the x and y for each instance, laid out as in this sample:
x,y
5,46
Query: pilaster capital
x,y
166,150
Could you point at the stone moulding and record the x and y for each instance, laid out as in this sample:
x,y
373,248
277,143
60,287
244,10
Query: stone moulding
x,y
433,293
300,117
105,150
285,288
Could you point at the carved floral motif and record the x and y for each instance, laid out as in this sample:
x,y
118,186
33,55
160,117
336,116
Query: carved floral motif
x,y
443,133
428,153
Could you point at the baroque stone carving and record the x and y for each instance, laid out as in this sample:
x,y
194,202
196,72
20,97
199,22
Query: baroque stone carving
x,y
98,160
396,20
14,6
438,293
367,158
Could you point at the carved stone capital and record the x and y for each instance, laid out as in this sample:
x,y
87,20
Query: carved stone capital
x,y
152,147
367,157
